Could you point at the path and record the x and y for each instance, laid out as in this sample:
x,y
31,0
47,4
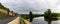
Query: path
x,y
7,20
13,20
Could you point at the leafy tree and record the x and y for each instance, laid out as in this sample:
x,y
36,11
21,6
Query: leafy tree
x,y
2,7
31,16
47,16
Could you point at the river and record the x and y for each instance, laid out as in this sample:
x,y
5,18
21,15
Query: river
x,y
40,20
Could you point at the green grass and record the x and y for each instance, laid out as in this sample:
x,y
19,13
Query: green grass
x,y
26,16
4,16
22,21
1,16
2,7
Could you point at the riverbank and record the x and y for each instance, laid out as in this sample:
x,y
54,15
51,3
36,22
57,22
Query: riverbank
x,y
40,20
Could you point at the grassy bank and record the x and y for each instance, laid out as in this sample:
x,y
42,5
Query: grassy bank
x,y
22,20
27,16
4,16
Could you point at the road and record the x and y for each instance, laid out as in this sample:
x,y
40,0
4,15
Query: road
x,y
13,20
7,20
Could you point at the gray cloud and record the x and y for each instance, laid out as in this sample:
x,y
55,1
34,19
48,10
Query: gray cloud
x,y
24,6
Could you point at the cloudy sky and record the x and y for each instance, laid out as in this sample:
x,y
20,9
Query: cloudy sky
x,y
39,6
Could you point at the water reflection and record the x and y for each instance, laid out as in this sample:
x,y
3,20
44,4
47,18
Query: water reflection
x,y
40,20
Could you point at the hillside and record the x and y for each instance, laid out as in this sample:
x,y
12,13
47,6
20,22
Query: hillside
x,y
4,12
2,7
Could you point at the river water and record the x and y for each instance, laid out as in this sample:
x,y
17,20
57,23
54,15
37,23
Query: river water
x,y
40,20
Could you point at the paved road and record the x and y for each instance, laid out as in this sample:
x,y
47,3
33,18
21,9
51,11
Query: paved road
x,y
7,20
13,20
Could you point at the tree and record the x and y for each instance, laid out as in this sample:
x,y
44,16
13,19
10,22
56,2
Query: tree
x,y
49,12
2,7
31,16
47,16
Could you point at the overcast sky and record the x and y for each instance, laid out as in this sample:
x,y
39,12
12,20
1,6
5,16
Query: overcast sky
x,y
39,6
